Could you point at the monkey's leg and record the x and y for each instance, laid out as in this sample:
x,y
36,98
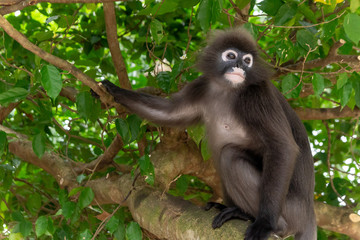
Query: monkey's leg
x,y
240,180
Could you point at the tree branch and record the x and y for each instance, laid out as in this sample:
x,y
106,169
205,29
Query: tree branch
x,y
326,113
332,57
104,160
111,33
161,214
337,219
5,111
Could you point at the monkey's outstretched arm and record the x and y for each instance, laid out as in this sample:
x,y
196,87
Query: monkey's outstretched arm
x,y
176,111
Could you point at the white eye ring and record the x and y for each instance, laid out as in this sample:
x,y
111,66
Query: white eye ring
x,y
248,60
225,55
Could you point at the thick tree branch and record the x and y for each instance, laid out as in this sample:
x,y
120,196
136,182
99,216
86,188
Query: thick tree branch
x,y
111,33
341,220
327,113
163,215
61,170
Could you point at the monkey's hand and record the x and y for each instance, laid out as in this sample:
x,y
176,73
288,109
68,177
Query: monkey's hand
x,y
110,87
259,230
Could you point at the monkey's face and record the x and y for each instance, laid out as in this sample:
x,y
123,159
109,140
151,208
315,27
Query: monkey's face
x,y
234,64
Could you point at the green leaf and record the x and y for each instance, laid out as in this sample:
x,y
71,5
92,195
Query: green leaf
x,y
74,191
243,3
188,3
41,226
42,36
182,184
3,142
13,95
135,127
34,203
16,236
355,80
307,12
354,5
87,106
165,7
164,81
285,13
306,39
51,80
156,30
25,228
86,197
270,7
17,216
119,234
133,231
68,209
147,169
123,129
85,235
346,93
208,12
113,224
329,28
38,144
352,27
197,133
205,150
342,80
291,86
80,178
318,83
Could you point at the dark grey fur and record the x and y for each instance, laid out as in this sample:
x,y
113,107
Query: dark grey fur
x,y
259,145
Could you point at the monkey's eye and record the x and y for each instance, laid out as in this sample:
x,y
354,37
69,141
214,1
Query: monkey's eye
x,y
248,59
229,55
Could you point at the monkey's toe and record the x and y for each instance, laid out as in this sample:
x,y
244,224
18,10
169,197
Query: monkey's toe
x,y
230,213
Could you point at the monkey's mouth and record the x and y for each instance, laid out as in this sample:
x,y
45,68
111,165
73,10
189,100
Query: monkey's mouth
x,y
237,76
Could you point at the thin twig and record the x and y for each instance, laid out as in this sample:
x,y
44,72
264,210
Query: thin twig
x,y
328,162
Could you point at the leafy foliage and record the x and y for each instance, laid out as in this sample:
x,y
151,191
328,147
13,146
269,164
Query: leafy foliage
x,y
159,41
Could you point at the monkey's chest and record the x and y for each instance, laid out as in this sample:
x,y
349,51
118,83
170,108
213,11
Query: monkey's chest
x,y
222,129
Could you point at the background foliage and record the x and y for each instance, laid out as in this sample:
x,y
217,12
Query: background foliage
x,y
312,45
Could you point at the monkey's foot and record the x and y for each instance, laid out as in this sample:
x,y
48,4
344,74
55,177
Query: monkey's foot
x,y
260,229
230,213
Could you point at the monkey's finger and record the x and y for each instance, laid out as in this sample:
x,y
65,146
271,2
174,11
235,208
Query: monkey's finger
x,y
216,205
